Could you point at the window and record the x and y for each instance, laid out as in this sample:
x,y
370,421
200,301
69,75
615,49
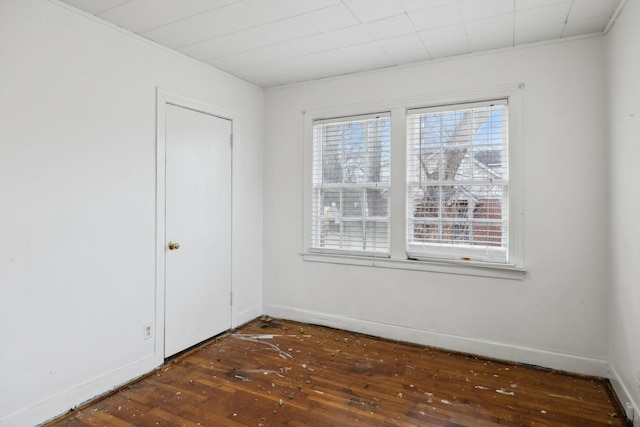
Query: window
x,y
426,186
458,182
351,178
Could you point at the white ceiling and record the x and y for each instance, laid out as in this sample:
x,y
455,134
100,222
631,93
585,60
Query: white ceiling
x,y
278,42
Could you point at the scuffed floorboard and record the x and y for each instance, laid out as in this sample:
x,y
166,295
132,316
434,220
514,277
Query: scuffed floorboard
x,y
275,372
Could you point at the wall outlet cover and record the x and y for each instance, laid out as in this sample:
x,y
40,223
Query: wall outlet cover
x,y
147,333
629,412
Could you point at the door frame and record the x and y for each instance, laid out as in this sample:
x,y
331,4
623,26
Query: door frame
x,y
164,98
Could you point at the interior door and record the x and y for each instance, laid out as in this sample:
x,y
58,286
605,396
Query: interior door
x,y
198,228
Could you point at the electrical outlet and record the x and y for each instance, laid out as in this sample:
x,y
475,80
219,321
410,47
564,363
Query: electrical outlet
x,y
629,412
147,331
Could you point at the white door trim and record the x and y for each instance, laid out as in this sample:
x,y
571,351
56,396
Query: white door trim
x,y
164,98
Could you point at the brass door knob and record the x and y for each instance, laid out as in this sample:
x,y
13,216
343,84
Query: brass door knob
x,y
173,246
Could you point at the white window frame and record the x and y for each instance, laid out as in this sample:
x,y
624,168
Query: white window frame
x,y
398,258
454,251
363,217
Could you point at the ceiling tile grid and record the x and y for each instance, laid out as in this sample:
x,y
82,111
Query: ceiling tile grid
x,y
279,42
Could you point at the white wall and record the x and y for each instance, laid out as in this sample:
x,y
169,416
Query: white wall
x,y
77,176
556,316
77,217
624,131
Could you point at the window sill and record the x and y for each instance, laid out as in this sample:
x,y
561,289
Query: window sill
x,y
465,268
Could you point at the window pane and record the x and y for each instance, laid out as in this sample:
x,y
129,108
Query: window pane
x,y
353,203
351,177
457,171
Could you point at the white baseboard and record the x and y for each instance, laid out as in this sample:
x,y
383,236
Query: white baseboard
x,y
623,395
247,316
497,350
61,402
73,397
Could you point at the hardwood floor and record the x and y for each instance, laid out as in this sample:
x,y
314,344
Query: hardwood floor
x,y
275,372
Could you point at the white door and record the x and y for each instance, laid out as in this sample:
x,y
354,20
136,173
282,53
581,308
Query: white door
x,y
198,228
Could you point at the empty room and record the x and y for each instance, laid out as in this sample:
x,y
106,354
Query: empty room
x,y
319,212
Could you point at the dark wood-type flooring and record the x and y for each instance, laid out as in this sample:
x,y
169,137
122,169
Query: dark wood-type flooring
x,y
274,372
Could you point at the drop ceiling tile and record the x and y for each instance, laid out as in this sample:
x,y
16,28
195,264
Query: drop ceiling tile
x,y
214,48
540,16
482,28
436,17
235,17
293,75
582,9
471,10
585,26
530,4
525,35
338,61
413,5
274,42
367,10
401,43
331,18
390,27
305,6
262,12
438,36
405,49
95,7
144,15
298,69
242,41
444,50
349,36
275,32
298,47
491,41
277,52
314,60
361,52
197,29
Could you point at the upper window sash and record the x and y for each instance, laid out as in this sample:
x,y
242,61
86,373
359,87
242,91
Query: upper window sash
x,y
457,182
350,181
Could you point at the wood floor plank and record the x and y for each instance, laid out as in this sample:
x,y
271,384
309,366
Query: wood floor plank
x,y
275,372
